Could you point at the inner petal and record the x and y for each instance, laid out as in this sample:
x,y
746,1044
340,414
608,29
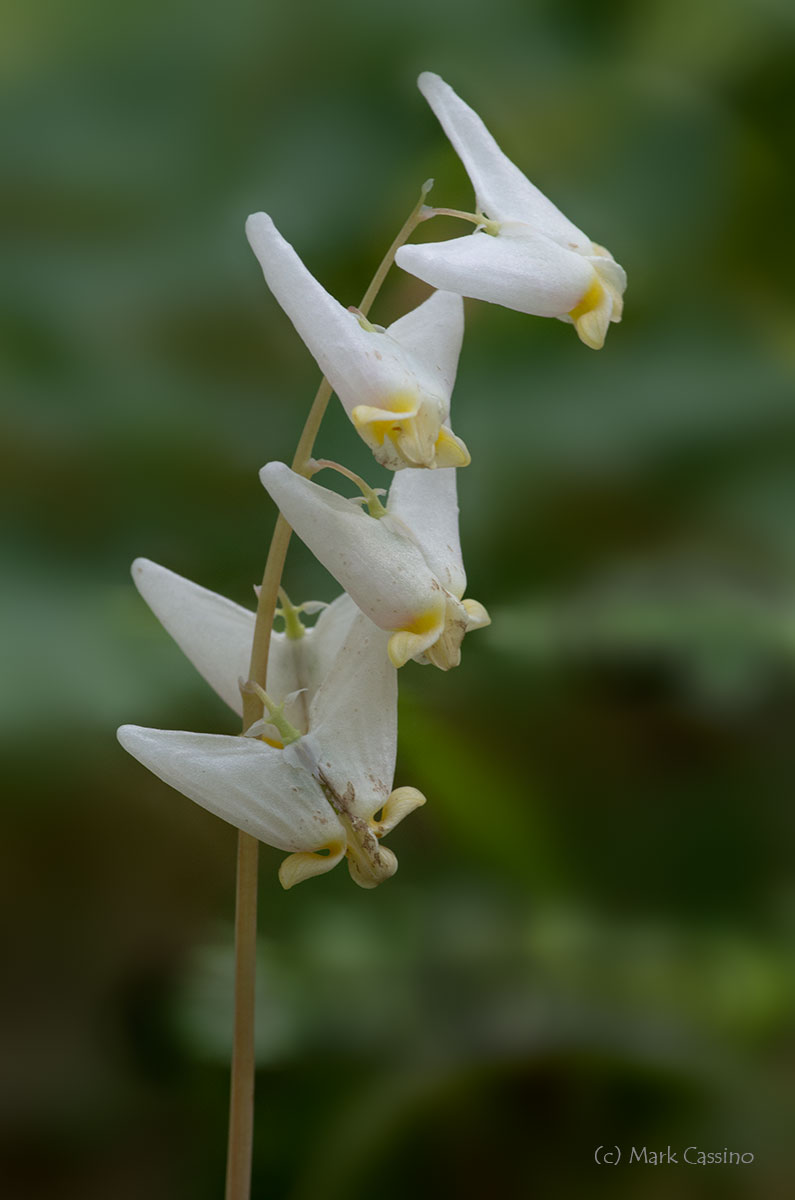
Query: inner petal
x,y
407,431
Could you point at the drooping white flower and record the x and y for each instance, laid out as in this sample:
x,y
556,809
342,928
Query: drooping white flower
x,y
317,793
528,255
395,383
403,569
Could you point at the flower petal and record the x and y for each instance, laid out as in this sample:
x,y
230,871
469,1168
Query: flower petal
x,y
216,635
336,340
326,637
249,784
213,632
353,719
406,435
298,867
379,564
427,502
433,333
502,191
360,364
399,804
519,268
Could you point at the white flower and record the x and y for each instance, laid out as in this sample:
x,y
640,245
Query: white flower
x,y
527,256
317,793
404,569
395,383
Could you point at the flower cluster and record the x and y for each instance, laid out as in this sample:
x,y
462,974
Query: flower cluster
x,y
313,776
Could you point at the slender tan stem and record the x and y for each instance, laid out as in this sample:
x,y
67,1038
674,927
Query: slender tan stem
x,y
241,1104
241,1098
475,218
490,227
370,495
417,214
266,607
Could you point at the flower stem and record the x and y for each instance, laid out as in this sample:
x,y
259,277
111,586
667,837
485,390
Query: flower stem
x,y
369,495
491,227
241,1102
241,1097
417,214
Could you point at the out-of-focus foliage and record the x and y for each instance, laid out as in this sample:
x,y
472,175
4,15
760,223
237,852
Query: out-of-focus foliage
x,y
589,939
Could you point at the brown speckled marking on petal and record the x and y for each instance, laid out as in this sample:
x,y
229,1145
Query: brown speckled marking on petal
x,y
368,862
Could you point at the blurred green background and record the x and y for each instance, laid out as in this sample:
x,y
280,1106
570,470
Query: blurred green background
x,y
590,937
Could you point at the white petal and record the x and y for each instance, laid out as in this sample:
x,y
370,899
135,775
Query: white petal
x,y
433,333
213,632
216,635
354,719
363,367
382,568
518,269
427,502
328,634
248,783
502,191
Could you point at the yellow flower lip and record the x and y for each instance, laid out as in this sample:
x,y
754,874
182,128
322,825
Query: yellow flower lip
x,y
437,633
450,450
417,635
424,623
586,316
407,432
600,304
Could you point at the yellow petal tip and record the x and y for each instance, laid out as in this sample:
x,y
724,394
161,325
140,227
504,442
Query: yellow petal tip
x,y
306,863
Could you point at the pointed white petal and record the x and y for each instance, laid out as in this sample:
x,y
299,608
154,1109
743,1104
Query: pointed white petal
x,y
216,635
248,783
518,269
381,567
330,631
213,632
354,719
502,191
332,334
362,366
433,333
427,502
